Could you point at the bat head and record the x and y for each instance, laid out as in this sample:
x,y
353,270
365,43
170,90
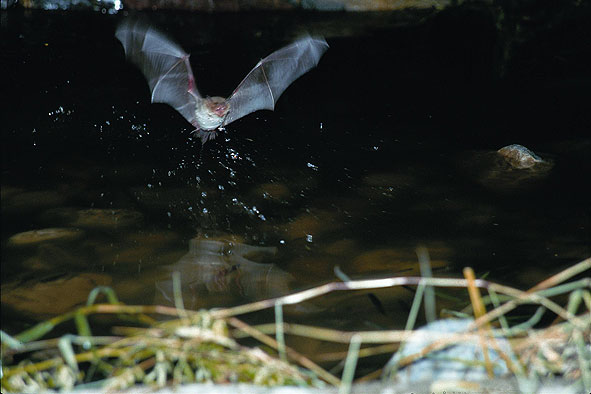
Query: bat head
x,y
211,112
218,106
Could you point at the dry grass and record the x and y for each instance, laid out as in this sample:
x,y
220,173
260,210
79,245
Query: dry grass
x,y
171,346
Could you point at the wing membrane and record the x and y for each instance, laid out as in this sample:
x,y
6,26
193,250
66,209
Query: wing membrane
x,y
164,64
263,85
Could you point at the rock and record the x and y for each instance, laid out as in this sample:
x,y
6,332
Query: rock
x,y
156,239
519,156
45,299
398,262
31,201
35,237
463,361
135,288
311,268
512,168
342,247
135,251
144,248
94,218
311,224
107,218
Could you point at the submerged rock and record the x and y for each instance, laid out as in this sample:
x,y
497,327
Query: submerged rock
x,y
107,218
398,262
34,237
342,247
136,249
31,201
49,298
154,238
94,218
312,224
272,191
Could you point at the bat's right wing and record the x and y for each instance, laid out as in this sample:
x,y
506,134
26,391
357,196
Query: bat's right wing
x,y
164,64
271,76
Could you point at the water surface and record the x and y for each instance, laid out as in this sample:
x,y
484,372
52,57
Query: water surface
x,y
390,143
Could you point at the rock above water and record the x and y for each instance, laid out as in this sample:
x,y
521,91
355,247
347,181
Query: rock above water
x,y
462,361
510,169
519,156
34,237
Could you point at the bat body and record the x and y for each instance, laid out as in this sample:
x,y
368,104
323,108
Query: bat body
x,y
168,72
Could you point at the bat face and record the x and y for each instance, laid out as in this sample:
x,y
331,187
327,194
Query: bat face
x,y
218,105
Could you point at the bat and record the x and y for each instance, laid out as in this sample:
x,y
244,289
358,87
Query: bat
x,y
168,71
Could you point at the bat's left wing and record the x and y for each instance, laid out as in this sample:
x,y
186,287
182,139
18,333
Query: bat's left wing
x,y
271,76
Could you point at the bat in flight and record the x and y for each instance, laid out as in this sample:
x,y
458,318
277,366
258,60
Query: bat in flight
x,y
168,71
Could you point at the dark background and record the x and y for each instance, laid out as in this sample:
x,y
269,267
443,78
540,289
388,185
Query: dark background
x,y
396,91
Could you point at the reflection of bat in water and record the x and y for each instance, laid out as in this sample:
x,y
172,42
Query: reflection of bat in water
x,y
168,71
221,271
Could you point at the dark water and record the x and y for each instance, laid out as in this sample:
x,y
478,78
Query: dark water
x,y
388,144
